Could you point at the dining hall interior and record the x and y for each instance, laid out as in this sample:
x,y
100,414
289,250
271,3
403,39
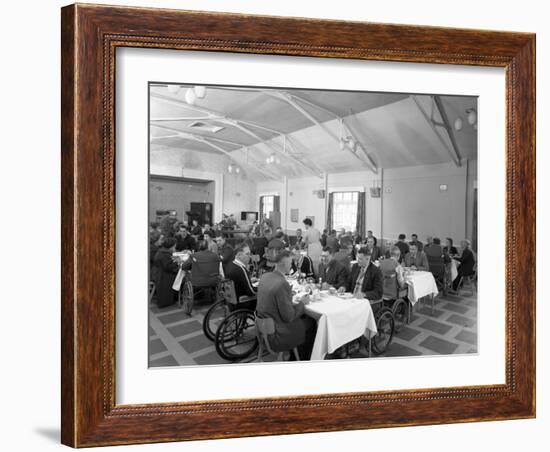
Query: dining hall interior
x,y
295,224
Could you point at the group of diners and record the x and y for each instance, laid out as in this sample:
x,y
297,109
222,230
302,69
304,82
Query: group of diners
x,y
260,265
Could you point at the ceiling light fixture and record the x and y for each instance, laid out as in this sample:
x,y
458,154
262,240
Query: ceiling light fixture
x,y
200,91
174,89
190,96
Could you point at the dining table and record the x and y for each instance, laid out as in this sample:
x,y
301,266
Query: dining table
x,y
420,284
341,318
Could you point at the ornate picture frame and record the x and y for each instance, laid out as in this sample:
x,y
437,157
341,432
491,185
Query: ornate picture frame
x,y
90,36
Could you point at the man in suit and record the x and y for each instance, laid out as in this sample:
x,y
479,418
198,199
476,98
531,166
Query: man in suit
x,y
184,240
370,235
467,263
292,327
402,245
345,255
374,250
164,273
225,250
416,242
237,271
332,241
365,279
331,272
204,266
416,259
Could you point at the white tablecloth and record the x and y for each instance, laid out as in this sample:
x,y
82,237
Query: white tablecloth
x,y
339,322
420,285
454,271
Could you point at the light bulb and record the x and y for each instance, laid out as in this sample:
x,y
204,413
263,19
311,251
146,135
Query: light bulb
x,y
472,117
229,168
174,89
237,170
458,124
200,91
190,97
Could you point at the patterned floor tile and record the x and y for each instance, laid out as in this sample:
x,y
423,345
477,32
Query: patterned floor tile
x,y
436,327
396,349
166,361
438,345
185,328
455,307
467,336
156,346
407,333
196,343
461,321
427,310
173,317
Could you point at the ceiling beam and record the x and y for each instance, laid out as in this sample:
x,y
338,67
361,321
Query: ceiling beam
x,y
289,98
241,125
205,141
431,123
448,128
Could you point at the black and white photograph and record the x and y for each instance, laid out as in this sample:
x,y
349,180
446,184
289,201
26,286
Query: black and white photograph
x,y
292,224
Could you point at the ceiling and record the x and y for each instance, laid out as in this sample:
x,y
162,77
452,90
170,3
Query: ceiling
x,y
302,128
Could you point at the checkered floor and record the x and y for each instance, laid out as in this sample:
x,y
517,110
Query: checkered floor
x,y
176,339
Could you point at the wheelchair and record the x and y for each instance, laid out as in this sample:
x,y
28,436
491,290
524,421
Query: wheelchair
x,y
188,293
236,337
226,303
385,324
394,299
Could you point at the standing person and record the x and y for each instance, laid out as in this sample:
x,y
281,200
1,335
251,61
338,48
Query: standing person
x,y
196,230
416,242
312,241
164,273
292,327
467,263
402,245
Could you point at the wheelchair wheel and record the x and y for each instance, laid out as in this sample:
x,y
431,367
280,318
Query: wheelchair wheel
x,y
213,318
187,299
399,311
385,327
236,336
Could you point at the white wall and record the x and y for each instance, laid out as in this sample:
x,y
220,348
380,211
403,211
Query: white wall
x,y
410,202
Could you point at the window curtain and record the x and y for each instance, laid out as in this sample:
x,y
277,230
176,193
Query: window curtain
x,y
360,224
276,203
261,208
329,211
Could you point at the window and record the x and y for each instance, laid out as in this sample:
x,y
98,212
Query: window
x,y
267,205
344,210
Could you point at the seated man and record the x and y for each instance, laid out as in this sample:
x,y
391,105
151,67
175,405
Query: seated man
x,y
374,250
301,262
237,271
416,242
345,255
164,273
225,250
402,245
331,272
292,327
365,278
204,266
184,240
467,263
416,259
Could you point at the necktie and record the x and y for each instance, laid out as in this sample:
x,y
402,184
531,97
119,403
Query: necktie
x,y
360,278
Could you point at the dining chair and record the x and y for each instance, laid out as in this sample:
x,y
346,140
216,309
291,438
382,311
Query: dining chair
x,y
265,327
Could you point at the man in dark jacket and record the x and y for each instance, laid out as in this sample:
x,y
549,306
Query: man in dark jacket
x,y
415,241
164,273
226,251
204,266
331,272
292,327
402,245
467,263
184,240
365,279
237,271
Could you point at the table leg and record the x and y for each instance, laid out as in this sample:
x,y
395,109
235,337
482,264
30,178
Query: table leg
x,y
433,301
